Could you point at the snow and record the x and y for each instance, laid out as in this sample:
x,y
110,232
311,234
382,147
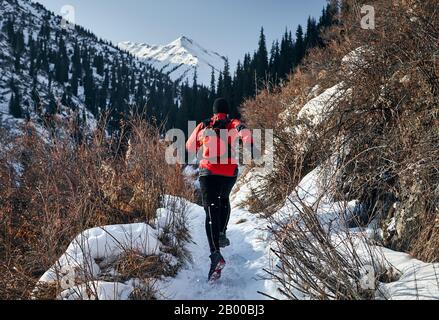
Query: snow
x,y
80,266
317,108
99,247
179,59
247,184
31,17
243,276
190,173
98,290
319,105
315,111
418,280
355,59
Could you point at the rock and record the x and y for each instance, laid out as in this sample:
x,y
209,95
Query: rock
x,y
402,223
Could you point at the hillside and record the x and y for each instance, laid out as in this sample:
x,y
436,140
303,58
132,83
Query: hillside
x,y
49,68
358,125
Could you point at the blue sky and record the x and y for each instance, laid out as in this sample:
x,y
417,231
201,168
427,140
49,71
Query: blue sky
x,y
230,27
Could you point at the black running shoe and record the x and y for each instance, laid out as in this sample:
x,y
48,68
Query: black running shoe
x,y
218,264
223,241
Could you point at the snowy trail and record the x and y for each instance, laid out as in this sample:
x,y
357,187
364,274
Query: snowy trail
x,y
246,257
96,249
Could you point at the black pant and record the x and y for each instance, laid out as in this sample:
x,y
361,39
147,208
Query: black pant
x,y
215,192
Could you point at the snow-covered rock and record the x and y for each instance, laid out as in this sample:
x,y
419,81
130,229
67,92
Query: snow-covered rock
x,y
355,59
98,290
416,281
99,247
180,59
316,110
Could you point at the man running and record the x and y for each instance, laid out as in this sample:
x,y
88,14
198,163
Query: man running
x,y
218,138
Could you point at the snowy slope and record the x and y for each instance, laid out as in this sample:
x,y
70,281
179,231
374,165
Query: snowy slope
x,y
30,17
179,59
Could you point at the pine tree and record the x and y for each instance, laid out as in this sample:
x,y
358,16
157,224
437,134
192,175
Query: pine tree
x,y
10,32
262,57
274,64
32,57
66,99
197,98
286,55
227,83
42,60
212,83
312,34
103,92
36,100
89,92
17,62
238,84
300,45
49,81
220,86
248,76
15,107
323,22
98,63
62,62
102,99
140,95
19,42
18,45
52,107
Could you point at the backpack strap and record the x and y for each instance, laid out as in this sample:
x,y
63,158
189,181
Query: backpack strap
x,y
241,127
221,124
206,123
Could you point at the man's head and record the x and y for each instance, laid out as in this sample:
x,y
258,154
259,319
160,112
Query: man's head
x,y
221,106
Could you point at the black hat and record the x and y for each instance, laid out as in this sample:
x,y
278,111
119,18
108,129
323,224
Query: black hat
x,y
221,106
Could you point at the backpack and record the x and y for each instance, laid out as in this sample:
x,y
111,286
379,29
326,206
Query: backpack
x,y
215,141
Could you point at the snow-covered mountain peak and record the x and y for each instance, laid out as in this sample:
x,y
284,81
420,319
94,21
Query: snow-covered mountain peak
x,y
179,59
183,41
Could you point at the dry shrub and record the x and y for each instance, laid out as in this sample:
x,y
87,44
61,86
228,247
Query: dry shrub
x,y
278,109
318,256
314,265
133,265
53,190
390,129
425,245
383,134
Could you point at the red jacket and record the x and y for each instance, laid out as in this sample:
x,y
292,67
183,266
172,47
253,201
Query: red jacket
x,y
218,157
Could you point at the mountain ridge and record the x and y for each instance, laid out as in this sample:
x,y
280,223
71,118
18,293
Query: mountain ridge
x,y
179,59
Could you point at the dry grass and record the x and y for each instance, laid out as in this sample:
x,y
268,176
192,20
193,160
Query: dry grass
x,y
53,191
